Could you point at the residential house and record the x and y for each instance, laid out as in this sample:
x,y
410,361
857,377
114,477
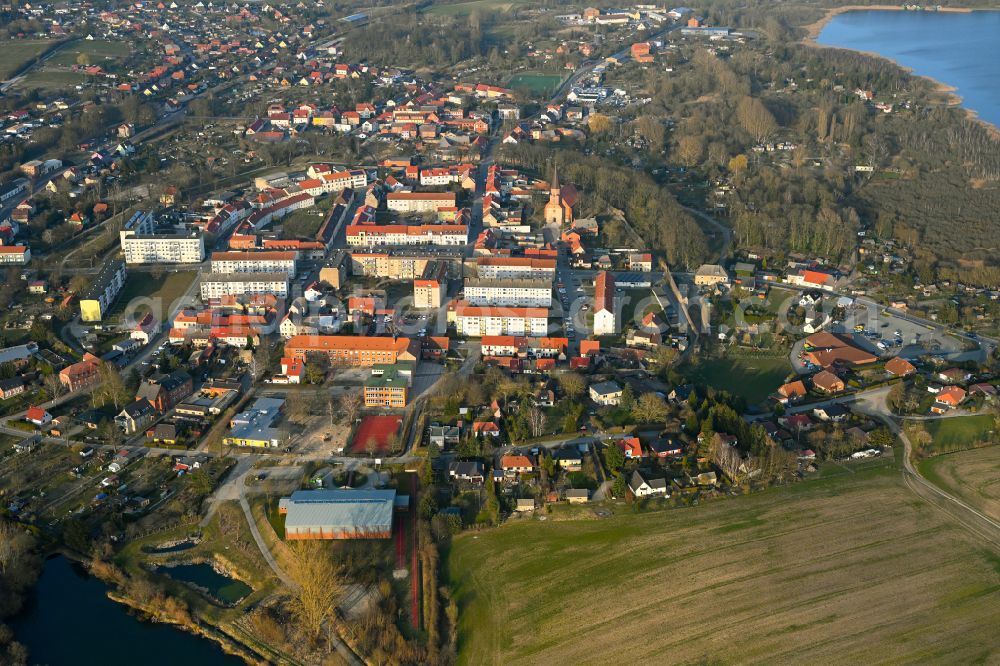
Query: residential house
x,y
568,458
444,436
709,275
11,387
899,367
665,447
947,399
512,465
832,413
792,391
470,472
167,391
38,416
577,495
135,417
954,376
643,487
631,447
82,374
827,382
607,393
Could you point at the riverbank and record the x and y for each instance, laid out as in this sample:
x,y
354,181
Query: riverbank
x,y
813,29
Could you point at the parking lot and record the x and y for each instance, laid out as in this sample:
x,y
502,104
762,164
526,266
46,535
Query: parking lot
x,y
887,334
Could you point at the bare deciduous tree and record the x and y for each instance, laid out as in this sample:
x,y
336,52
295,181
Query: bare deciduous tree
x,y
536,420
756,119
319,585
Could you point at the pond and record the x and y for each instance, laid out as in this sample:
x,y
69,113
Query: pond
x,y
224,589
69,620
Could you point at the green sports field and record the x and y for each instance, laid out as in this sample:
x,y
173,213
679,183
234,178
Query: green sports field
x,y
535,84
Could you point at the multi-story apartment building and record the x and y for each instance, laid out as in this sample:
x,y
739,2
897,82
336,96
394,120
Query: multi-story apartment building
x,y
186,247
141,244
370,235
419,202
254,262
335,182
354,350
392,264
524,293
102,292
515,268
217,285
511,345
430,290
474,321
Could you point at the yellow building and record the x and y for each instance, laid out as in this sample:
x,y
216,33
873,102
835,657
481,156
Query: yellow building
x,y
102,292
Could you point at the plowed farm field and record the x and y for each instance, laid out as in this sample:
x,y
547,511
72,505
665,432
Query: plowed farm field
x,y
849,569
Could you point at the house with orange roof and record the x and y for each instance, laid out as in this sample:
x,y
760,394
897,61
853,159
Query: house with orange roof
x,y
512,465
899,367
827,382
792,391
947,399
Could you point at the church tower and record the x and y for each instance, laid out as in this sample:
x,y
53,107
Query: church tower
x,y
557,211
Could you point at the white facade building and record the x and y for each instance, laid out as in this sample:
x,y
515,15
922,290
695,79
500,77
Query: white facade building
x,y
254,262
473,321
523,293
217,285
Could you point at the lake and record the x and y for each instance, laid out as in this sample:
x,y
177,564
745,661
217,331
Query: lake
x,y
956,49
69,621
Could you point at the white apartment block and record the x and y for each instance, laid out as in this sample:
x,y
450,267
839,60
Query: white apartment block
x,y
473,321
254,262
217,285
335,182
180,248
419,202
369,235
439,177
523,293
428,294
515,268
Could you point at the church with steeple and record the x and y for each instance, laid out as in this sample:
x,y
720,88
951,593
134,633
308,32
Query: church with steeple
x,y
558,210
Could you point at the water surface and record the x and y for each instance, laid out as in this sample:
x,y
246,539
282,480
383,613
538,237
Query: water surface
x,y
956,49
70,622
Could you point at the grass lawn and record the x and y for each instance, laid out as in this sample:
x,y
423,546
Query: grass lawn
x,y
959,433
791,567
98,51
50,79
465,8
751,378
302,223
535,84
14,54
168,287
973,475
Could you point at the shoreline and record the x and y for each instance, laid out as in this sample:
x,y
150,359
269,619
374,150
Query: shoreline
x,y
950,93
813,29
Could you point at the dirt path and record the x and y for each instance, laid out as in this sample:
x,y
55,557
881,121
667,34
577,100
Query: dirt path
x,y
957,509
